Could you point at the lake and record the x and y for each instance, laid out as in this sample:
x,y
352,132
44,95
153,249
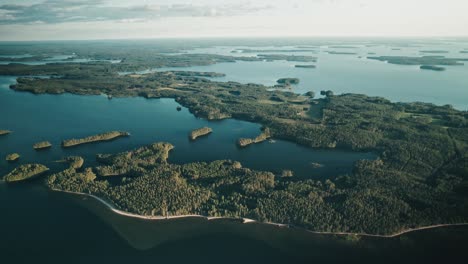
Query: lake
x,y
35,118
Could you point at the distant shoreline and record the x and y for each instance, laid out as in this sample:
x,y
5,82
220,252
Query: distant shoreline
x,y
247,220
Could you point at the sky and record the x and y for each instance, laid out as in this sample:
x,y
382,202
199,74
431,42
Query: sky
x,y
119,19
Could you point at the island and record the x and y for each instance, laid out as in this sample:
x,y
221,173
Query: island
x,y
42,145
432,68
424,60
307,66
434,51
295,58
199,132
288,81
302,49
4,132
25,172
341,53
12,157
95,138
244,142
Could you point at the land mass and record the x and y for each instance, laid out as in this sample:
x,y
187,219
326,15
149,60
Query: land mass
x,y
42,145
424,60
200,132
95,138
4,132
310,66
25,171
432,67
244,142
12,157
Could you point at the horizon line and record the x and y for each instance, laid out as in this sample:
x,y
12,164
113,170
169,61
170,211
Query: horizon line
x,y
255,37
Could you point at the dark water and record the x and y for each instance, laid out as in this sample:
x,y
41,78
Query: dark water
x,y
35,118
40,227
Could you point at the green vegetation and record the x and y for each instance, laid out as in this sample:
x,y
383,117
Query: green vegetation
x,y
75,162
307,66
288,81
343,47
273,50
296,58
418,179
244,142
432,67
95,138
341,53
200,132
42,145
4,132
434,51
424,60
12,157
24,172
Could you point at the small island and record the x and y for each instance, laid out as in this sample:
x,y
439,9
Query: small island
x,y
341,53
200,132
24,172
434,51
95,138
288,81
307,66
244,142
432,67
42,145
12,157
4,132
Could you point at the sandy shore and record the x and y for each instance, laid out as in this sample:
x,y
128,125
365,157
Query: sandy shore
x,y
247,220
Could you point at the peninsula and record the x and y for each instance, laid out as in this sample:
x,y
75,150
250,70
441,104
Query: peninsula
x,y
244,142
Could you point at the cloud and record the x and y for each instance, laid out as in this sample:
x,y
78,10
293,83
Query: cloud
x,y
60,11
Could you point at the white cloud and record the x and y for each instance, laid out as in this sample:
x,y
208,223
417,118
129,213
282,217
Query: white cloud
x,y
75,19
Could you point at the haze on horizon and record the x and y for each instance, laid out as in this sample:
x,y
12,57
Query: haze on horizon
x,y
119,19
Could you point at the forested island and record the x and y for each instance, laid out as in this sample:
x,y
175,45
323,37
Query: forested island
x,y
12,157
419,177
432,67
4,132
95,138
307,66
424,60
25,172
199,132
42,145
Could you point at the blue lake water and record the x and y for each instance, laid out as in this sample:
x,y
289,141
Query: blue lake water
x,y
353,74
35,118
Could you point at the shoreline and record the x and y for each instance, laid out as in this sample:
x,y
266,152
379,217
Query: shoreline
x,y
248,220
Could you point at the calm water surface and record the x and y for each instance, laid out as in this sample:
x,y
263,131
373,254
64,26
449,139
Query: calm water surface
x,y
35,118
